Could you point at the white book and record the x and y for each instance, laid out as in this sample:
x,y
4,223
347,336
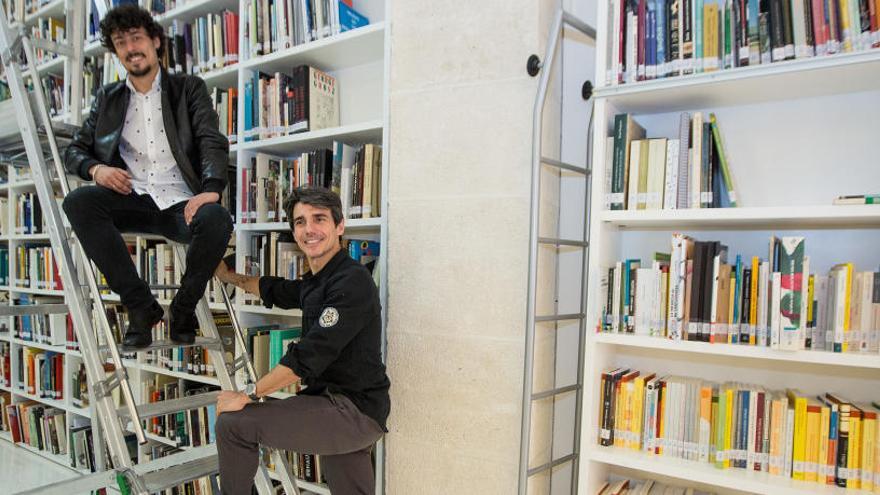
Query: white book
x,y
789,440
635,154
868,337
656,173
775,293
670,193
763,302
644,284
751,447
821,311
695,160
609,168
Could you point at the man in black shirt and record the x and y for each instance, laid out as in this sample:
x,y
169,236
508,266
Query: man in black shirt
x,y
342,411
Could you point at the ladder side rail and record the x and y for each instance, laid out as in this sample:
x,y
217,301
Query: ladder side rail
x,y
537,126
582,332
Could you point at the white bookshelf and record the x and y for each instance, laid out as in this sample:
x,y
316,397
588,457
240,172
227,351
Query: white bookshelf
x,y
797,135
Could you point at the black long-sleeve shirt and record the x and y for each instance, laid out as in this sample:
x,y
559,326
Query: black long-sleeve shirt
x,y
340,348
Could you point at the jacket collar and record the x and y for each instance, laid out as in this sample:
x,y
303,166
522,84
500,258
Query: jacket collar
x,y
331,265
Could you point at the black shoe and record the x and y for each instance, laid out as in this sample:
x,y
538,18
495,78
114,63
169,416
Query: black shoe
x,y
140,325
183,325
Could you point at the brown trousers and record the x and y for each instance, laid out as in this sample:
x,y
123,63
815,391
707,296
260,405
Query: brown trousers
x,y
329,425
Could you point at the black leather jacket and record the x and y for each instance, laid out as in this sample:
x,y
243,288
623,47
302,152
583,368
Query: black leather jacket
x,y
191,124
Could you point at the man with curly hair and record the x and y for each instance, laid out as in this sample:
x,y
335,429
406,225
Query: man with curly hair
x,y
152,146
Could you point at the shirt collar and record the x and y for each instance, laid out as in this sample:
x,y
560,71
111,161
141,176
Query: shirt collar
x,y
157,81
331,265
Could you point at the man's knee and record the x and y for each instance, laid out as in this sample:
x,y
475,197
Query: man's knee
x,y
214,217
80,202
227,426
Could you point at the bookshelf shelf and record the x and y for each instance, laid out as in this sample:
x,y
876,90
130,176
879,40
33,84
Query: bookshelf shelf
x,y
29,237
39,345
803,78
54,66
351,225
780,217
38,292
179,374
225,77
734,351
6,435
94,48
60,459
363,132
55,8
349,49
696,472
195,8
262,310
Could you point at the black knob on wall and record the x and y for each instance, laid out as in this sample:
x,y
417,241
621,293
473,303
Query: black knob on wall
x,y
533,66
587,90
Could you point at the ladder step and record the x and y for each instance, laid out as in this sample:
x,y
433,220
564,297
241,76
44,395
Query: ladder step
x,y
573,316
152,286
555,391
553,464
170,344
562,242
30,309
172,470
563,165
160,408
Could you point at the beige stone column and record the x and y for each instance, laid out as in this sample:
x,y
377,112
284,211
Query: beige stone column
x,y
458,209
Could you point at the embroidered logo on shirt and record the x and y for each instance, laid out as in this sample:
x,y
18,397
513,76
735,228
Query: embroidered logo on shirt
x,y
329,317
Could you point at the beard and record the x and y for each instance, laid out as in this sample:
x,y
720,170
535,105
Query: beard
x,y
139,72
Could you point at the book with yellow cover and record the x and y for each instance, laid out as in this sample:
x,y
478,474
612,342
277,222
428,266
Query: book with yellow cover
x,y
854,449
811,456
823,466
753,301
799,436
869,447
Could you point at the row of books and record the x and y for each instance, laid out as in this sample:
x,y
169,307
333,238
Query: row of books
x,y
49,29
82,446
279,104
693,293
79,386
39,426
5,365
225,103
158,265
16,10
40,373
36,268
266,344
48,329
307,467
275,25
202,45
689,171
645,487
4,266
353,172
649,39
189,428
824,439
28,215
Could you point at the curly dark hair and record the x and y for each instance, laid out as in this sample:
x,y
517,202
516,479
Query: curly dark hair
x,y
127,17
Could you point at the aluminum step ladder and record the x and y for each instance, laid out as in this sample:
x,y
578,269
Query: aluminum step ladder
x,y
557,293
81,290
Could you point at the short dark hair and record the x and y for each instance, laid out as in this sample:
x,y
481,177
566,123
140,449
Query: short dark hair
x,y
127,17
314,196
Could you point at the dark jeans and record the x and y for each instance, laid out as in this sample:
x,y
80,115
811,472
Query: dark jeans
x,y
99,215
329,425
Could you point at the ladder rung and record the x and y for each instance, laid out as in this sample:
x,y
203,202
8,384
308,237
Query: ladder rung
x,y
79,484
563,165
152,286
572,316
562,242
153,409
30,309
175,469
170,344
552,464
555,391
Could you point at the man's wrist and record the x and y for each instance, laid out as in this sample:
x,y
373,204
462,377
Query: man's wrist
x,y
94,169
